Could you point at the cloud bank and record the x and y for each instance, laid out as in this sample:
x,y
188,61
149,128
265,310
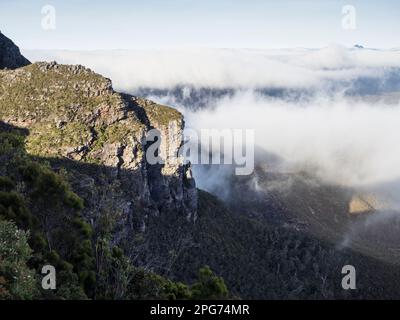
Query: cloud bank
x,y
231,68
343,140
346,131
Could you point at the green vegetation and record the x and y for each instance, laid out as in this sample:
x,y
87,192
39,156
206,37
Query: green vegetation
x,y
96,225
260,260
39,200
40,91
162,115
17,281
41,223
209,286
68,107
71,110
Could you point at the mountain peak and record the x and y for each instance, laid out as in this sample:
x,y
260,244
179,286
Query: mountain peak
x,y
10,55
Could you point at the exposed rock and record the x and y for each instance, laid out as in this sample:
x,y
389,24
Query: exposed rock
x,y
73,113
10,56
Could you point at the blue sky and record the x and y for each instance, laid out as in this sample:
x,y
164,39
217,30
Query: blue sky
x,y
123,24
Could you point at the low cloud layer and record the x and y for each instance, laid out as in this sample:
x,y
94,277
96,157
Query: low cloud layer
x,y
347,131
231,68
341,139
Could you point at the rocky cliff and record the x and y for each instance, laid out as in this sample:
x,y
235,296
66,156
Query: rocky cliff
x,y
10,56
76,121
73,172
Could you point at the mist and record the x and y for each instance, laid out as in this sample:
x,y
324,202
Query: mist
x,y
346,141
342,124
298,68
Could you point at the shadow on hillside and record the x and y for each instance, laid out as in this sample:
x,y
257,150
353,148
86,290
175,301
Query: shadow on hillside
x,y
244,251
137,201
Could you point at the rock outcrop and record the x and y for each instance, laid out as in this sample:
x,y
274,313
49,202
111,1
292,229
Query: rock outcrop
x,y
77,121
10,56
368,203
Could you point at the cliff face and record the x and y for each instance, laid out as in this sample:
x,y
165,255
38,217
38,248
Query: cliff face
x,y
78,122
10,56
72,151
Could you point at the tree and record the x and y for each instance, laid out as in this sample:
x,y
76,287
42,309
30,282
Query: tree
x,y
209,286
17,281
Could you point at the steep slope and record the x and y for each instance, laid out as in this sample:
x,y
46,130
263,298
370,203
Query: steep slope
x,y
263,260
73,114
73,171
10,56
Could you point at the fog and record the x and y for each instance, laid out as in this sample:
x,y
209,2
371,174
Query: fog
x,y
343,123
346,141
231,68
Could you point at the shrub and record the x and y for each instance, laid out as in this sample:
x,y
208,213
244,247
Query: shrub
x,y
209,286
17,281
6,184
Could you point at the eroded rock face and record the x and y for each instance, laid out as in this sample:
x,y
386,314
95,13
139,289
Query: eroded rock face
x,y
10,56
77,121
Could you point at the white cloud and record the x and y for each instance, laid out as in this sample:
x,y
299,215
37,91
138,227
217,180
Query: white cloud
x,y
347,140
233,68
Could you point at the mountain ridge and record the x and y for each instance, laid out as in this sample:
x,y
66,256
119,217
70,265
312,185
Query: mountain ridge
x,y
73,172
10,55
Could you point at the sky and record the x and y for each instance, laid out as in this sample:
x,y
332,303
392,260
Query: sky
x,y
132,24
